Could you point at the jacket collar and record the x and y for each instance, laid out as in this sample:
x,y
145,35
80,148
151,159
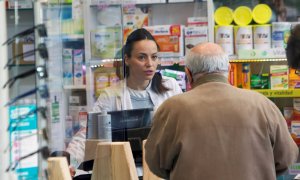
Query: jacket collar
x,y
213,77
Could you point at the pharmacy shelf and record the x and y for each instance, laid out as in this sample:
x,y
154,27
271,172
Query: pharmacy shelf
x,y
73,37
74,87
94,63
257,60
285,93
117,2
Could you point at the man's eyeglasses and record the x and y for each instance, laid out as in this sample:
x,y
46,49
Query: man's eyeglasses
x,y
42,49
39,70
41,29
44,151
43,90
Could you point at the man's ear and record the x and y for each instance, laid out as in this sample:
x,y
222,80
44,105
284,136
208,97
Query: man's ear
x,y
189,75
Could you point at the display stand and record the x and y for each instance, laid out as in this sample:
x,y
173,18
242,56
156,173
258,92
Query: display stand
x,y
58,169
114,161
90,146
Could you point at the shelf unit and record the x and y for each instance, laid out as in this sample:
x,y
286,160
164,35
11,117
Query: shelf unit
x,y
161,13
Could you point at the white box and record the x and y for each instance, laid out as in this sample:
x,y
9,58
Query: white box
x,y
197,21
78,66
76,113
194,36
106,42
67,56
169,38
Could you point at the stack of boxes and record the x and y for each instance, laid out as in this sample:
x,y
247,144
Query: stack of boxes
x,y
73,67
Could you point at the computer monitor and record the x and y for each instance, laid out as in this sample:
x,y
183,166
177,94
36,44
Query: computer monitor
x,y
126,125
133,118
120,120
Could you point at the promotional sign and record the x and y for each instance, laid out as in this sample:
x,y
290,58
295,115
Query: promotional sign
x,y
23,140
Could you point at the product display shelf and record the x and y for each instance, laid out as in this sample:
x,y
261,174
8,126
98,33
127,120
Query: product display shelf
x,y
94,63
21,65
58,4
74,87
169,61
72,37
117,2
256,60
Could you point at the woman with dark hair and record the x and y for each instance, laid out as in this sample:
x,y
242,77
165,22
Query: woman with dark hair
x,y
142,87
293,48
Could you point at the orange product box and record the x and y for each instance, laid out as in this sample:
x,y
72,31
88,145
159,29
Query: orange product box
x,y
170,39
232,76
295,131
242,75
133,18
294,78
239,75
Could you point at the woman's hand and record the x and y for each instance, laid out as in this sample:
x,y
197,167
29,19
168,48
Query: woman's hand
x,y
72,171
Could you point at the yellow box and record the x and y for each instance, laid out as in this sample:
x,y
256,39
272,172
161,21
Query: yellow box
x,y
294,78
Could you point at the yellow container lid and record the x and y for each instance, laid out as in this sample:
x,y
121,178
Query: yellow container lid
x,y
262,14
223,16
242,16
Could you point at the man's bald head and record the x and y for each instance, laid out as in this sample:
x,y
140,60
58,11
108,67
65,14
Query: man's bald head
x,y
208,49
207,58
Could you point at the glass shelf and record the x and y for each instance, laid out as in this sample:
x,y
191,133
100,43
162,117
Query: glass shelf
x,y
116,2
279,93
103,62
22,65
72,37
257,60
73,87
20,9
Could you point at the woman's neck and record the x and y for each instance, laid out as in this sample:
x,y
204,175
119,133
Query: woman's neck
x,y
137,85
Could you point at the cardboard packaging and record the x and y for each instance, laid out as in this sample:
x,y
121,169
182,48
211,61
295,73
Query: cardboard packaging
x,y
197,21
194,36
106,42
279,76
78,66
169,38
67,56
294,78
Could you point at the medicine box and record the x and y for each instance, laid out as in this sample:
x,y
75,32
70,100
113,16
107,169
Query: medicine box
x,y
78,66
194,36
106,42
279,76
169,38
294,78
197,21
67,57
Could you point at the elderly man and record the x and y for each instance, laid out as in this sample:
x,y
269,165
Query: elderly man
x,y
217,131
